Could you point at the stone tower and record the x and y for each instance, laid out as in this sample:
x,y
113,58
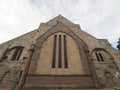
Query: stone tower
x,y
58,55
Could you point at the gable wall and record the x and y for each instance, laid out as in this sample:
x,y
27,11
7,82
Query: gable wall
x,y
30,38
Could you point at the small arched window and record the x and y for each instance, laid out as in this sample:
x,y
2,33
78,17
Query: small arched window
x,y
99,56
17,52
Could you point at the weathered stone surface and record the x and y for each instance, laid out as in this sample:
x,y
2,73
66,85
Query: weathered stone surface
x,y
84,67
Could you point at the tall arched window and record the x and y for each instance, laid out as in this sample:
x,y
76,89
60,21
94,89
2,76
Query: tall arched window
x,y
59,55
61,43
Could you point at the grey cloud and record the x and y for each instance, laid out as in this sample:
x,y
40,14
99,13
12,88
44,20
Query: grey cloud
x,y
97,17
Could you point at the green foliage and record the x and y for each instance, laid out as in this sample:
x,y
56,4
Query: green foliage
x,y
118,46
117,88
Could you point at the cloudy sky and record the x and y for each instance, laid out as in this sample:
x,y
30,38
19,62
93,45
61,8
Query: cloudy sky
x,y
101,18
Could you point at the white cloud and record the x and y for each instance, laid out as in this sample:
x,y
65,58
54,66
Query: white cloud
x,y
97,17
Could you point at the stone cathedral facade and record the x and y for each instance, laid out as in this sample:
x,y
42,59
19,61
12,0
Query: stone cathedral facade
x,y
58,55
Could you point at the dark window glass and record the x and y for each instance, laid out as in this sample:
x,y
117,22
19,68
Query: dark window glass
x,y
60,53
101,58
54,51
97,56
65,52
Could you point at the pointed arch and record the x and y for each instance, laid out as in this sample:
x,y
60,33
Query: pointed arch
x,y
59,51
5,80
89,76
101,55
4,70
83,49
